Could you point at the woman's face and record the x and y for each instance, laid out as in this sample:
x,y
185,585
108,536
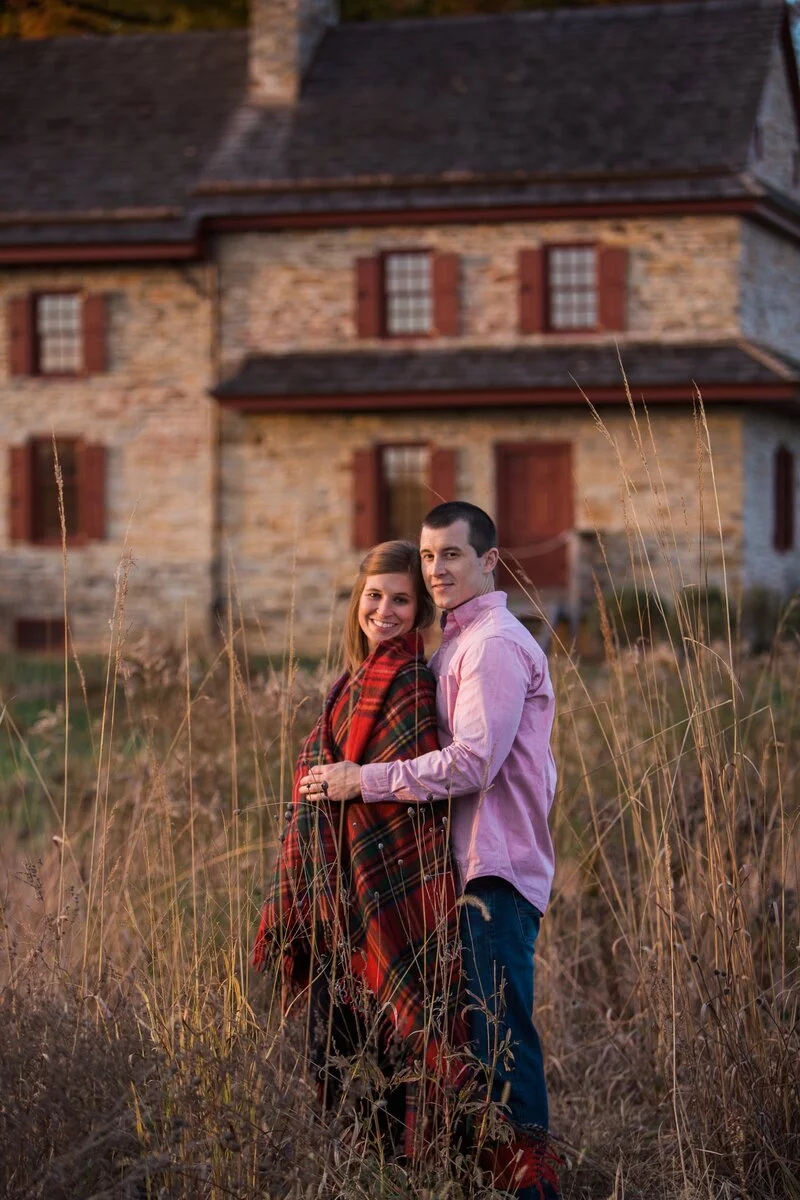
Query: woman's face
x,y
387,608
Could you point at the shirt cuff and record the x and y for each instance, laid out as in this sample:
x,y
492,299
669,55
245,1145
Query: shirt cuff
x,y
375,782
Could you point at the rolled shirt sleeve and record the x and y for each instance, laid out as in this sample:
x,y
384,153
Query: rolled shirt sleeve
x,y
494,681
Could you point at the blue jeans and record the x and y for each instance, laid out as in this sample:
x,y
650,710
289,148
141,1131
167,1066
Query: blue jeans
x,y
498,937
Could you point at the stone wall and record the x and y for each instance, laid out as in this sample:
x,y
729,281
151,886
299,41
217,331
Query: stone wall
x,y
286,482
288,494
152,412
294,290
765,567
770,303
770,264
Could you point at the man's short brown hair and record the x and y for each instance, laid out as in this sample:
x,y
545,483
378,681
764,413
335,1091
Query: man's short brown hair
x,y
482,531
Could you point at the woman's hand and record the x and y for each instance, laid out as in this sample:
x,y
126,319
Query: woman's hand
x,y
334,781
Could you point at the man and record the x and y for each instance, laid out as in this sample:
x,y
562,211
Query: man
x,y
495,709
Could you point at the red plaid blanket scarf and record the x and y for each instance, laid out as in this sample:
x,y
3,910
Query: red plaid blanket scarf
x,y
373,884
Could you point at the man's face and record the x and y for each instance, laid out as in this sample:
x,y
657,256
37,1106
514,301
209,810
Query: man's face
x,y
453,572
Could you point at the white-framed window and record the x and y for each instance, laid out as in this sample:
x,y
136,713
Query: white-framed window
x,y
59,333
408,292
572,291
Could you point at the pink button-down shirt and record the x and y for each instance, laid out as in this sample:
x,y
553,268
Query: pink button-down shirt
x,y
495,709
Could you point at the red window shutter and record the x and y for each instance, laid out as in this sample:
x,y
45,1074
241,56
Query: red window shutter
x,y
95,358
445,270
612,272
535,512
532,290
369,297
21,338
366,497
21,489
92,491
443,475
784,500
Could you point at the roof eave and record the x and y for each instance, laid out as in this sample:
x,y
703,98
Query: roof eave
x,y
770,209
460,214
94,252
782,393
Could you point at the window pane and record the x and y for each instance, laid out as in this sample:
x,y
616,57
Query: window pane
x,y
783,536
40,633
406,492
59,334
46,518
409,302
572,281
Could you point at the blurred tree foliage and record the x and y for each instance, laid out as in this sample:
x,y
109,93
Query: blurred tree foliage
x,y
51,18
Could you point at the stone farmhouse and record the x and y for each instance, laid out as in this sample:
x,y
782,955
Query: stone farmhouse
x,y
275,292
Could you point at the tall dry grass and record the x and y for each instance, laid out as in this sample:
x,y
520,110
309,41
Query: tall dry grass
x,y
140,1057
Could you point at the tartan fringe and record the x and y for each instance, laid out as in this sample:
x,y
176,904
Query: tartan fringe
x,y
528,1160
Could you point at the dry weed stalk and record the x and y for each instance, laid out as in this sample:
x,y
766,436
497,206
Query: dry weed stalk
x,y
139,1056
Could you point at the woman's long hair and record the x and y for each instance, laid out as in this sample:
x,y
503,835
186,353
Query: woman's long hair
x,y
387,558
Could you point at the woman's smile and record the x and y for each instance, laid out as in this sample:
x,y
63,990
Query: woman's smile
x,y
387,607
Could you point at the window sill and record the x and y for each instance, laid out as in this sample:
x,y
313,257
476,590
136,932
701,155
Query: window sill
x,y
431,336
73,539
577,331
60,376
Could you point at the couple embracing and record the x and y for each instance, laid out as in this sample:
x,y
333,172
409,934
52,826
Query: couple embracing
x,y
417,786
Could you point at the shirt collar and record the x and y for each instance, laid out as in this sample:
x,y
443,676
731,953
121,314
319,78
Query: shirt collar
x,y
456,619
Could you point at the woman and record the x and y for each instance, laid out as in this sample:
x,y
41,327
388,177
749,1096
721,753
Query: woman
x,y
361,913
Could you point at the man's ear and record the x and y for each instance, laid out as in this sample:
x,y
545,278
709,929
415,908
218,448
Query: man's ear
x,y
490,560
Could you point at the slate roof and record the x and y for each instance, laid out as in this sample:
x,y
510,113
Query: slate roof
x,y
548,95
106,136
589,105
381,374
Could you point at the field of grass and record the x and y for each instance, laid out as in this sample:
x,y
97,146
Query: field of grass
x,y
141,1057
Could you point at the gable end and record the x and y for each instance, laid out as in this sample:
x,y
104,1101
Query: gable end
x,y
774,151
